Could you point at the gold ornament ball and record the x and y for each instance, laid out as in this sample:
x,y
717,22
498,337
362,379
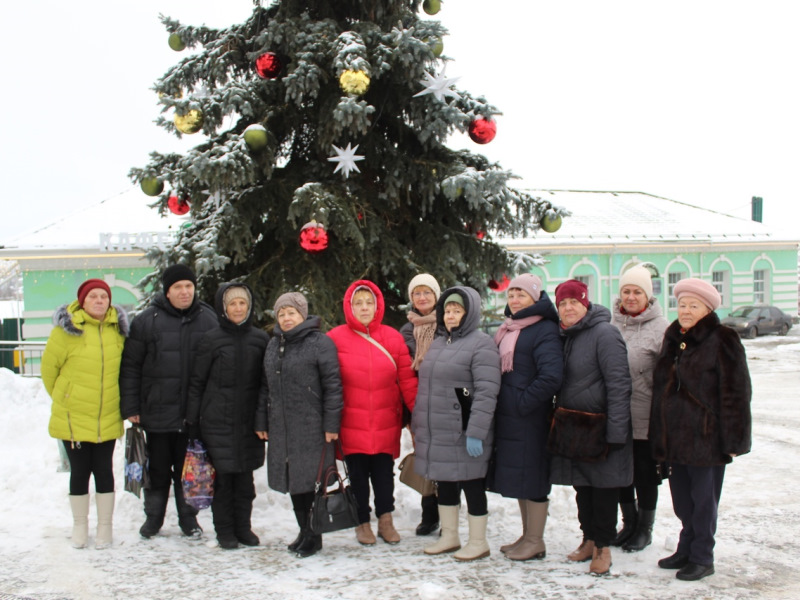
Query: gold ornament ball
x,y
175,42
550,225
354,82
189,123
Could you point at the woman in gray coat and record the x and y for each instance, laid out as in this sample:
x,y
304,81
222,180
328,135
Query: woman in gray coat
x,y
453,419
637,315
300,409
596,382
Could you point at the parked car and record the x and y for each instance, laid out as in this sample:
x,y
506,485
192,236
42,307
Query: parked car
x,y
751,321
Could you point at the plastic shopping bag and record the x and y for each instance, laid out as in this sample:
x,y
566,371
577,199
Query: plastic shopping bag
x,y
136,476
198,476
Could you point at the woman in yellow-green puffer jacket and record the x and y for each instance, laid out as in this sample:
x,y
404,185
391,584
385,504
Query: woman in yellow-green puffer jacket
x,y
80,370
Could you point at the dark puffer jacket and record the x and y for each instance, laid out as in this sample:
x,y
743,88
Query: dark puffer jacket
x,y
597,380
301,401
522,464
463,359
157,362
223,391
701,396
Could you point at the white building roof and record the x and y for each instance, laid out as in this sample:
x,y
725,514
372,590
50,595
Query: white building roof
x,y
637,217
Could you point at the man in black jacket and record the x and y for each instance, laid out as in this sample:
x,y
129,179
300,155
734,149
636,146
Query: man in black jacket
x,y
154,381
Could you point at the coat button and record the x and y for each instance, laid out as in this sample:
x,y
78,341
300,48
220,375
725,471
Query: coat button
x,y
456,406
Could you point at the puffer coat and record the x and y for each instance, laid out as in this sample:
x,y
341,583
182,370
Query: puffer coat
x,y
465,362
597,379
522,463
302,399
80,371
701,396
157,362
224,390
643,335
374,387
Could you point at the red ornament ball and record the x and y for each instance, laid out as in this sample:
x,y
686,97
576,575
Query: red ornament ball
x,y
177,205
482,131
313,237
499,286
268,65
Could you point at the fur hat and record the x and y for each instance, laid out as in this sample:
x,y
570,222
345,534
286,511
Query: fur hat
x,y
454,298
572,288
295,300
92,284
426,280
528,283
175,273
233,292
702,290
640,277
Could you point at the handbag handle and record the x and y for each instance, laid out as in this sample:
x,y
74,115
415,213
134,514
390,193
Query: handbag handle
x,y
337,443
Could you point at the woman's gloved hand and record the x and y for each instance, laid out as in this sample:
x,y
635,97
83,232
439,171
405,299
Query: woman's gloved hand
x,y
474,447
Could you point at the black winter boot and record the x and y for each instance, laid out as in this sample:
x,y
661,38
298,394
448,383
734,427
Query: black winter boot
x,y
430,515
242,511
643,536
302,521
187,515
310,544
628,523
155,506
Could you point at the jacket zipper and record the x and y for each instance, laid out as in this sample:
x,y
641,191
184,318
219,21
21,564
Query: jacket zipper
x,y
102,374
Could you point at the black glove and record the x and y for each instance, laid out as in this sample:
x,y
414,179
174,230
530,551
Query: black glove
x,y
193,431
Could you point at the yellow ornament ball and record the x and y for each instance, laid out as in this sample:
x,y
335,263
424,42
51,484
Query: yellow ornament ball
x,y
354,82
189,123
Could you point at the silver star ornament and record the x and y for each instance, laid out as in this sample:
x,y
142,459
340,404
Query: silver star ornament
x,y
439,86
346,157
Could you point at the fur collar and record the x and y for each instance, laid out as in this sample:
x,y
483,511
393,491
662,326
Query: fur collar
x,y
71,318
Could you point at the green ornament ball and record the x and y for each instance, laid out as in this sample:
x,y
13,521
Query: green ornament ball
x,y
255,136
152,186
550,225
432,7
175,42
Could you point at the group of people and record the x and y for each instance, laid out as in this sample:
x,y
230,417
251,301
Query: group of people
x,y
572,393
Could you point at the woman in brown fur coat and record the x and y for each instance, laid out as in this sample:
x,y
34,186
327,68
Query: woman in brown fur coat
x,y
700,419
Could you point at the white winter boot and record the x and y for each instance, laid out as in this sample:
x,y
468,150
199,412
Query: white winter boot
x,y
80,520
105,514
448,540
477,546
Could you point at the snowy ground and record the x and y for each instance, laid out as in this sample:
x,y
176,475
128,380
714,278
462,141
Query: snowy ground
x,y
758,540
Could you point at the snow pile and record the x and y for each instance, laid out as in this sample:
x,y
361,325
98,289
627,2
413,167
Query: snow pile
x,y
757,542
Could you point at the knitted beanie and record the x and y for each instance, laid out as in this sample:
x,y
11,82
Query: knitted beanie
x,y
234,292
89,285
295,300
454,298
640,277
176,273
528,283
426,280
572,288
702,290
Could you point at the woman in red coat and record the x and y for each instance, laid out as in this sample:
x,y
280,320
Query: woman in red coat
x,y
376,379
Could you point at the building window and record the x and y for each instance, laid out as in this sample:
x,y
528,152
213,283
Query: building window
x,y
657,287
673,278
760,286
589,281
720,279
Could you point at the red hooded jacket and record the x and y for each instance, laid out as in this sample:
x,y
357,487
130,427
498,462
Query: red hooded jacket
x,y
374,388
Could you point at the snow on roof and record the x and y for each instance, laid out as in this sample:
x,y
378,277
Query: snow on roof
x,y
636,217
127,212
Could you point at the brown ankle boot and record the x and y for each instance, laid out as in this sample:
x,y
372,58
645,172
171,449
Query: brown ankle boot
x,y
386,529
364,534
583,553
601,561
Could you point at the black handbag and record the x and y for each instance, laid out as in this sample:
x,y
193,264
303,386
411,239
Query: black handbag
x,y
137,476
334,509
578,435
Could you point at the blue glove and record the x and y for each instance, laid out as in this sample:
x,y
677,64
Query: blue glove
x,y
474,447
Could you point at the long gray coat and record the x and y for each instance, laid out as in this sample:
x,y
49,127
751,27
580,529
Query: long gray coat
x,y
302,399
465,358
597,379
643,335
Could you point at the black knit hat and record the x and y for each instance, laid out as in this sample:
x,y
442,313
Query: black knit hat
x,y
177,273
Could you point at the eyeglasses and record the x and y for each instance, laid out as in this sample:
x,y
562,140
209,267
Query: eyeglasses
x,y
426,294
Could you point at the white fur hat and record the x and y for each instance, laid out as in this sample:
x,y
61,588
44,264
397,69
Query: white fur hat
x,y
426,280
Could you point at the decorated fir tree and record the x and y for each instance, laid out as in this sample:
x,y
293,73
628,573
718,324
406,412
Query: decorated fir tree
x,y
324,157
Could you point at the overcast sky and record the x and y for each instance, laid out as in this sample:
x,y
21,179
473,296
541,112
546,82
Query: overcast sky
x,y
697,101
